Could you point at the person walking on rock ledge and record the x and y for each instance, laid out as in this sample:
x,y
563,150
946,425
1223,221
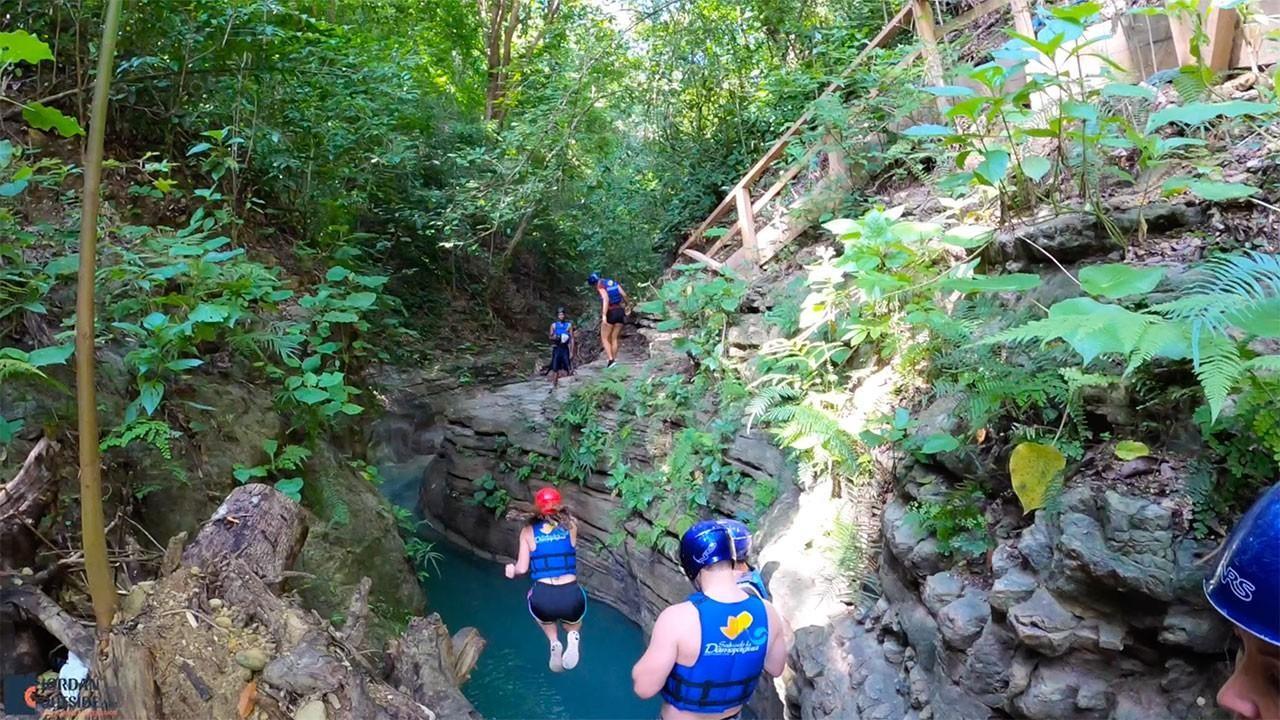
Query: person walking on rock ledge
x,y
1245,589
548,552
706,654
613,313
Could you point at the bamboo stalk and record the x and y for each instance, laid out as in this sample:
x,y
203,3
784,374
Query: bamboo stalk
x,y
101,589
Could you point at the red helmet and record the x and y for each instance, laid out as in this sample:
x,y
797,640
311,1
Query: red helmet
x,y
547,500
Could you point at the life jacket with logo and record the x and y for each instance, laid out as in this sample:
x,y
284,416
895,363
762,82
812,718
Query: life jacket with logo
x,y
613,290
560,329
553,554
735,639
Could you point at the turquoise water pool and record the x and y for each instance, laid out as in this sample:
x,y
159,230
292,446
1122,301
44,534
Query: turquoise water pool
x,y
512,680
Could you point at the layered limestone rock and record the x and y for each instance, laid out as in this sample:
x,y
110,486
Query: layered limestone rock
x,y
1093,612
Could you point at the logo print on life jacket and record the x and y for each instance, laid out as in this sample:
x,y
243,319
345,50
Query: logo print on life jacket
x,y
736,624
1241,587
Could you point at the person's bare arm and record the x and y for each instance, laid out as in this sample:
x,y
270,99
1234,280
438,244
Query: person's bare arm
x,y
604,300
551,331
573,532
573,342
521,565
775,660
651,671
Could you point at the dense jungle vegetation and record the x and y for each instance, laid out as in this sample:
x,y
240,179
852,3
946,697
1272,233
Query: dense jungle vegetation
x,y
295,191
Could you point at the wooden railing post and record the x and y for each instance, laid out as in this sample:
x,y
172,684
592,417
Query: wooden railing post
x,y
747,223
928,33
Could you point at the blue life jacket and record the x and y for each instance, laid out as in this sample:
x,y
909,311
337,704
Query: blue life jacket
x,y
613,290
553,554
558,329
735,639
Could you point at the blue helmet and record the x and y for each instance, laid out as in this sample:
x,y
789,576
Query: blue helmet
x,y
1245,588
593,278
741,538
705,544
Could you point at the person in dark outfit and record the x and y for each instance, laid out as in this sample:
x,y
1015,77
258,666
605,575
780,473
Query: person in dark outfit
x,y
548,552
613,313
563,345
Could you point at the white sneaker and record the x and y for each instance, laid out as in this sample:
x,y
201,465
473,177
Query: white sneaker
x,y
556,664
571,652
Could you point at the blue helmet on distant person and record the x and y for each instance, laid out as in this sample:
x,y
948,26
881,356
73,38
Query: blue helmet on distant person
x,y
1245,587
705,544
593,278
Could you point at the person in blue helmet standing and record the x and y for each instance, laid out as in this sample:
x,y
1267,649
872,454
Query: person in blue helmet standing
x,y
562,346
1245,589
706,654
613,313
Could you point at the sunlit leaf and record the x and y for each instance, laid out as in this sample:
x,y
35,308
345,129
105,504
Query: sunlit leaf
x,y
939,443
1032,468
992,283
22,46
1127,90
968,236
994,166
1116,280
1197,113
46,118
928,130
1131,450
54,355
1035,167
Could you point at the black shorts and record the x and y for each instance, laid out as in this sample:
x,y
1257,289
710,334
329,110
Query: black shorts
x,y
563,603
615,315
560,359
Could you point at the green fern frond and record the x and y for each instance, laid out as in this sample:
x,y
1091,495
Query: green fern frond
x,y
768,398
1264,363
149,431
292,457
14,368
1229,285
1218,370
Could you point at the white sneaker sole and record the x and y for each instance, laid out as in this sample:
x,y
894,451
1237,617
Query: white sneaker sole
x,y
571,652
556,664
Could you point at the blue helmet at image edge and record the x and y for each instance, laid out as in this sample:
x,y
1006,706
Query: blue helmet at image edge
x,y
1245,587
705,544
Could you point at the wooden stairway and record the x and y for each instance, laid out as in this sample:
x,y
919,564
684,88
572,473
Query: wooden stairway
x,y
749,228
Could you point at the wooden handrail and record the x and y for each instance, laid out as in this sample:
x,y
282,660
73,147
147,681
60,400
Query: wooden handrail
x,y
887,33
739,197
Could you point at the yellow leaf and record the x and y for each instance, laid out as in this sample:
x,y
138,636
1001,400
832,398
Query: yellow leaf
x,y
1033,467
1131,450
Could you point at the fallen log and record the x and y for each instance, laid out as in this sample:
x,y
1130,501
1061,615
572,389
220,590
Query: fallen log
x,y
256,525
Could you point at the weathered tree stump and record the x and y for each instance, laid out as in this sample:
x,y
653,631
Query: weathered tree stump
x,y
425,661
256,525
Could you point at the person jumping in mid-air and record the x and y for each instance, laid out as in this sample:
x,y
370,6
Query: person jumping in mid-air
x,y
1245,589
562,347
706,654
613,313
548,552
